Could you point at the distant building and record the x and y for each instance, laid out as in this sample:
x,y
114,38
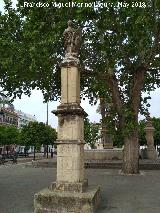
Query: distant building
x,y
24,118
8,116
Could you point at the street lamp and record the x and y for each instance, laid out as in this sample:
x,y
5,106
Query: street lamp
x,y
47,125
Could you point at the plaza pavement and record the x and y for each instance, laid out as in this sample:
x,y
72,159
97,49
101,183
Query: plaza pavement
x,y
120,194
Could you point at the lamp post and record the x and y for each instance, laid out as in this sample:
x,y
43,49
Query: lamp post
x,y
47,125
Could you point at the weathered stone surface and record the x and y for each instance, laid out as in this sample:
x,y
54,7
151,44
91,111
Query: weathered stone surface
x,y
70,187
70,85
72,41
70,162
70,109
70,127
104,154
152,154
149,130
49,201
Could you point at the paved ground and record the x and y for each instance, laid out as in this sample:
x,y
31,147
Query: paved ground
x,y
120,194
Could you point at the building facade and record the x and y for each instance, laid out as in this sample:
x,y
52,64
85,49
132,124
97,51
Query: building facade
x,y
24,118
8,117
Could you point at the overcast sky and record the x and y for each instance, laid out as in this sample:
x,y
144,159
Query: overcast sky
x,y
34,105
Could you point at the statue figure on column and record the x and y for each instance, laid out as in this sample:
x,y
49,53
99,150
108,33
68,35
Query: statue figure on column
x,y
72,43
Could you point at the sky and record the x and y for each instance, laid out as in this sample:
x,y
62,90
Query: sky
x,y
34,104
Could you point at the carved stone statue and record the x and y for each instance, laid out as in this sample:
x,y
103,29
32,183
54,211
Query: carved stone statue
x,y
72,39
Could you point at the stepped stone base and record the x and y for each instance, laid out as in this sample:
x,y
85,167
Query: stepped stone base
x,y
49,201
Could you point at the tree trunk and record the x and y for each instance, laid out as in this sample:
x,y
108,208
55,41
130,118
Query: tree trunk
x,y
131,154
34,154
103,114
47,150
131,143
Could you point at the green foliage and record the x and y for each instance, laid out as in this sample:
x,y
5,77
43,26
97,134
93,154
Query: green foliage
x,y
118,139
90,133
32,38
117,43
36,134
142,139
9,135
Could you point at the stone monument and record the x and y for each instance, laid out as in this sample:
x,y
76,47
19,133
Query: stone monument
x,y
70,193
106,138
149,130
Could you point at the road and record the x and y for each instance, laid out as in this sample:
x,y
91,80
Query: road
x,y
120,194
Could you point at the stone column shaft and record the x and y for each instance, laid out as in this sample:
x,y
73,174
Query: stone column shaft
x,y
149,130
70,85
70,143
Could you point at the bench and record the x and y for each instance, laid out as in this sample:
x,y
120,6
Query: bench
x,y
8,157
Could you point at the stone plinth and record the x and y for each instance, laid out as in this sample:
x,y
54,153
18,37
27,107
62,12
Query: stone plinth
x,y
149,130
50,201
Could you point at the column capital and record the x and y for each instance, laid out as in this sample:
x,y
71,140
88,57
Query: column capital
x,y
70,109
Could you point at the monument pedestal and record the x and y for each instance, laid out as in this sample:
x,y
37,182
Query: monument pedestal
x,y
53,201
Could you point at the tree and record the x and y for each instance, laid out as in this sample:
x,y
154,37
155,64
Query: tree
x,y
120,50
91,133
142,139
9,135
36,134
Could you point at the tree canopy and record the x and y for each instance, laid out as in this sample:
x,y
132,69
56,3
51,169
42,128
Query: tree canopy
x,y
9,135
118,41
36,134
91,132
119,56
